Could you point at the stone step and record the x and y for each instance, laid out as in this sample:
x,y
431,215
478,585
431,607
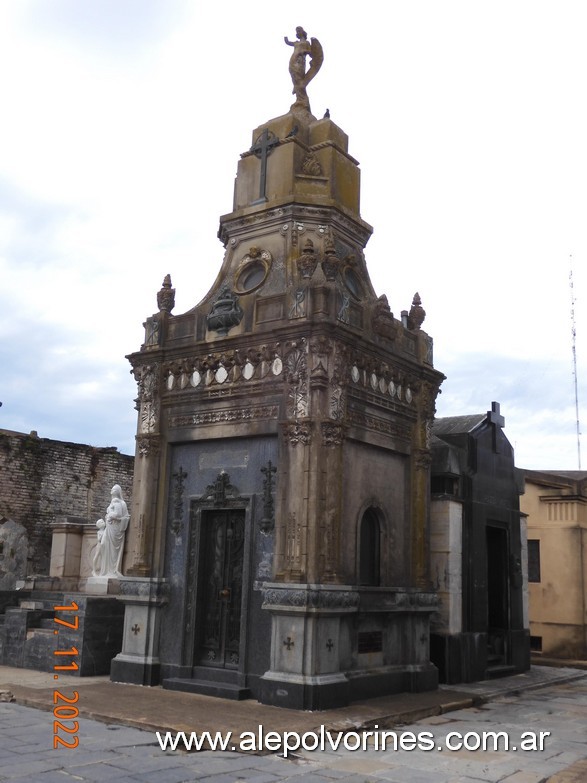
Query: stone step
x,y
222,690
30,604
210,673
503,670
39,632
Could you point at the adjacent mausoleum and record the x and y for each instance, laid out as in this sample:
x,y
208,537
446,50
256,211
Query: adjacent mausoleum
x,y
478,551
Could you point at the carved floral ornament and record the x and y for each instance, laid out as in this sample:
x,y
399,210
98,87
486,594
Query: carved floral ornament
x,y
148,445
147,378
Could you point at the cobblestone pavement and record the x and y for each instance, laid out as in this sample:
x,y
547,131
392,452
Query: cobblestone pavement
x,y
124,755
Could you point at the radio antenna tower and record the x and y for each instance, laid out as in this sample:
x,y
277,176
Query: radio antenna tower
x,y
574,341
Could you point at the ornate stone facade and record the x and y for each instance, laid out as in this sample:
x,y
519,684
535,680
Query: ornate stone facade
x,y
293,377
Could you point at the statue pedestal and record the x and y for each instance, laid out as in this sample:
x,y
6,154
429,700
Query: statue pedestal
x,y
138,662
102,585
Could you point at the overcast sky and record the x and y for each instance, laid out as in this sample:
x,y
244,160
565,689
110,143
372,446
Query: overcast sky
x,y
122,125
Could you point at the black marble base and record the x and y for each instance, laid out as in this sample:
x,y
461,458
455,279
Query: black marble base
x,y
222,690
463,657
298,696
135,673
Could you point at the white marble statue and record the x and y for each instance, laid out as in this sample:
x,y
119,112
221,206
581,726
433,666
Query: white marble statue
x,y
111,534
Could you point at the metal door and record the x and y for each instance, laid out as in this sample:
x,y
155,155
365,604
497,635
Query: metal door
x,y
220,592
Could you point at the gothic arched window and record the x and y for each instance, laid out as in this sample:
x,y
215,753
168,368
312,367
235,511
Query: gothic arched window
x,y
369,549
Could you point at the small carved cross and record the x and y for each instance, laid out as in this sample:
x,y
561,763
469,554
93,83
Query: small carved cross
x,y
288,643
329,645
179,476
262,148
136,628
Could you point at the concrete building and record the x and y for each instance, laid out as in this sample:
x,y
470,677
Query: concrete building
x,y
555,503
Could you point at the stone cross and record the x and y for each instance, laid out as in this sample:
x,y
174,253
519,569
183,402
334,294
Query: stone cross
x,y
495,418
262,148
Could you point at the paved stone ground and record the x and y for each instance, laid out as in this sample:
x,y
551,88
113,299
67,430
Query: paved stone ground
x,y
112,752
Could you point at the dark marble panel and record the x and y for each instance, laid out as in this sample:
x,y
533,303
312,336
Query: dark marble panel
x,y
193,468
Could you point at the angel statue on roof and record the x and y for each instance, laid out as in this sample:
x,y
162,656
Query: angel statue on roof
x,y
303,48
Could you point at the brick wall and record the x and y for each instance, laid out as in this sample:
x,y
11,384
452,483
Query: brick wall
x,y
41,479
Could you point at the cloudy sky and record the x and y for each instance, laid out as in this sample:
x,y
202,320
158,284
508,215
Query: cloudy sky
x,y
122,125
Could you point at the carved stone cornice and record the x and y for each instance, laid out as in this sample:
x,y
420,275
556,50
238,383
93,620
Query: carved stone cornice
x,y
309,598
224,368
356,231
152,590
224,415
379,424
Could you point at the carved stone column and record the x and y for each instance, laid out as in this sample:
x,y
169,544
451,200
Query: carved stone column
x,y
420,471
307,645
146,476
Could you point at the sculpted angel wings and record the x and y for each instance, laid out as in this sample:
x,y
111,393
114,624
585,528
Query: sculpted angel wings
x,y
303,48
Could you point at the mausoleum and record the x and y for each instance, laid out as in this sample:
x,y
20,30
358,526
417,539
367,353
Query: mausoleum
x,y
279,523
478,551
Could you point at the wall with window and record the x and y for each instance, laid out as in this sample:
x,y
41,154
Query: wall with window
x,y
556,508
381,518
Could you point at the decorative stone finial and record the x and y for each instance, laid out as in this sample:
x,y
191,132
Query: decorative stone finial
x,y
331,263
166,296
383,323
307,262
417,313
297,67
225,313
